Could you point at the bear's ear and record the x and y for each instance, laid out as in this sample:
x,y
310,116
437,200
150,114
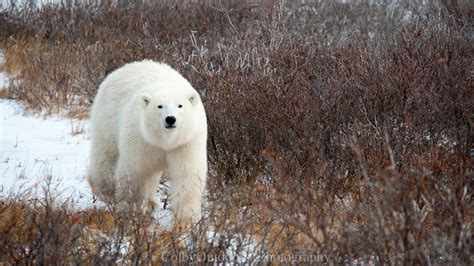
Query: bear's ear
x,y
194,98
145,99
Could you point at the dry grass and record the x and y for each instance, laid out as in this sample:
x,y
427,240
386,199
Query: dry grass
x,y
338,132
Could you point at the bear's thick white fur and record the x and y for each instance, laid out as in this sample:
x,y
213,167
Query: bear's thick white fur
x,y
133,145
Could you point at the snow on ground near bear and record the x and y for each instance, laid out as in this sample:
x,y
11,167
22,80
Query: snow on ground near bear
x,y
3,76
33,148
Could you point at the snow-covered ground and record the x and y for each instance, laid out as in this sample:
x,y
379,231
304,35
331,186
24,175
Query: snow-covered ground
x,y
33,149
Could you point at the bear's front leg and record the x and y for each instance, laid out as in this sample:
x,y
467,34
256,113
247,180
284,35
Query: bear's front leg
x,y
132,183
187,169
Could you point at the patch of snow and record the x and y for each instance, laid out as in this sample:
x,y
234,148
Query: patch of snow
x,y
7,4
3,76
34,149
3,81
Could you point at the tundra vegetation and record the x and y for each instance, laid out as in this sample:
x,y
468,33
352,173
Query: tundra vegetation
x,y
339,131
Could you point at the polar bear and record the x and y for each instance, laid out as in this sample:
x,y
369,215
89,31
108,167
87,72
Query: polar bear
x,y
147,120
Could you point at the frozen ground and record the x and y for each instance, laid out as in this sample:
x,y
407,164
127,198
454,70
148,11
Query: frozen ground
x,y
33,149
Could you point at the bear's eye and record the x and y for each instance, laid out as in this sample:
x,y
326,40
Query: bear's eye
x,y
180,106
160,106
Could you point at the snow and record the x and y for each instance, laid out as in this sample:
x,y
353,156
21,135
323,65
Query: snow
x,y
32,149
3,76
6,4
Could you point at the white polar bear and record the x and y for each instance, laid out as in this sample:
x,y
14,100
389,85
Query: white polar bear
x,y
148,120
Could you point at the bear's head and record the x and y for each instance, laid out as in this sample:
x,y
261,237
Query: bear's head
x,y
169,117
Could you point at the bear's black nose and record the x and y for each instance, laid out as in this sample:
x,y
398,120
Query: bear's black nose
x,y
170,120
